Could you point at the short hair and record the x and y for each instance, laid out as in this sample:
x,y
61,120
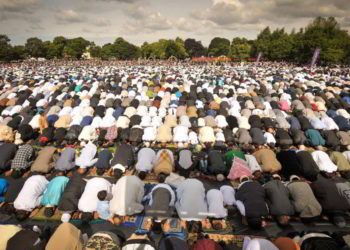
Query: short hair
x,y
142,175
86,216
16,174
161,177
195,227
102,195
254,222
217,226
117,173
100,171
282,220
9,208
21,215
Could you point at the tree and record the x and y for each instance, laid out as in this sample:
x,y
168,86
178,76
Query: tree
x,y
155,50
263,41
75,47
333,55
35,47
95,51
280,45
56,48
219,47
125,50
107,51
324,33
5,48
18,52
194,48
240,49
171,49
46,47
181,52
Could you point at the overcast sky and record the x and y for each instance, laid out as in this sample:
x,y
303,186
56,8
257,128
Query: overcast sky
x,y
149,20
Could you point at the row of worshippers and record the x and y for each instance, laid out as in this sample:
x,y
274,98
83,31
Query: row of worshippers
x,y
16,161
68,236
99,198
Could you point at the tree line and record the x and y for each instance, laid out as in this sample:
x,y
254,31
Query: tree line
x,y
275,45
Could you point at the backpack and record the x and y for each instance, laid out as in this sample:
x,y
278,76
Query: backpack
x,y
173,243
136,242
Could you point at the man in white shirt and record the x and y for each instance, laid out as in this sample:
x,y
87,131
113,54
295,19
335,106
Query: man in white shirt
x,y
329,123
253,164
191,204
323,161
88,200
30,196
215,201
145,161
87,157
127,196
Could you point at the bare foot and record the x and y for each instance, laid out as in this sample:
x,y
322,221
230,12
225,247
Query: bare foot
x,y
26,174
81,171
8,173
57,212
34,212
166,227
76,215
93,171
183,224
325,218
116,220
96,216
148,224
264,223
110,172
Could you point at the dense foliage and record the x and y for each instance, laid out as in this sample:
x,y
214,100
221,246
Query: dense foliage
x,y
276,45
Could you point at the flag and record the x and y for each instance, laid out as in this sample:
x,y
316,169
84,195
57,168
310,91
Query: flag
x,y
315,57
259,57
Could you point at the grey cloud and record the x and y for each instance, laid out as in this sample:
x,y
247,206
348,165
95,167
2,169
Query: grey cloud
x,y
18,5
69,16
36,27
345,22
153,24
85,30
230,14
136,11
101,22
142,20
184,24
120,1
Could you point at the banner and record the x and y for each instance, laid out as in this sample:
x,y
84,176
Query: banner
x,y
210,59
315,57
259,57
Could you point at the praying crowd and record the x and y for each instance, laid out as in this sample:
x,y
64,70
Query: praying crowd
x,y
176,150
